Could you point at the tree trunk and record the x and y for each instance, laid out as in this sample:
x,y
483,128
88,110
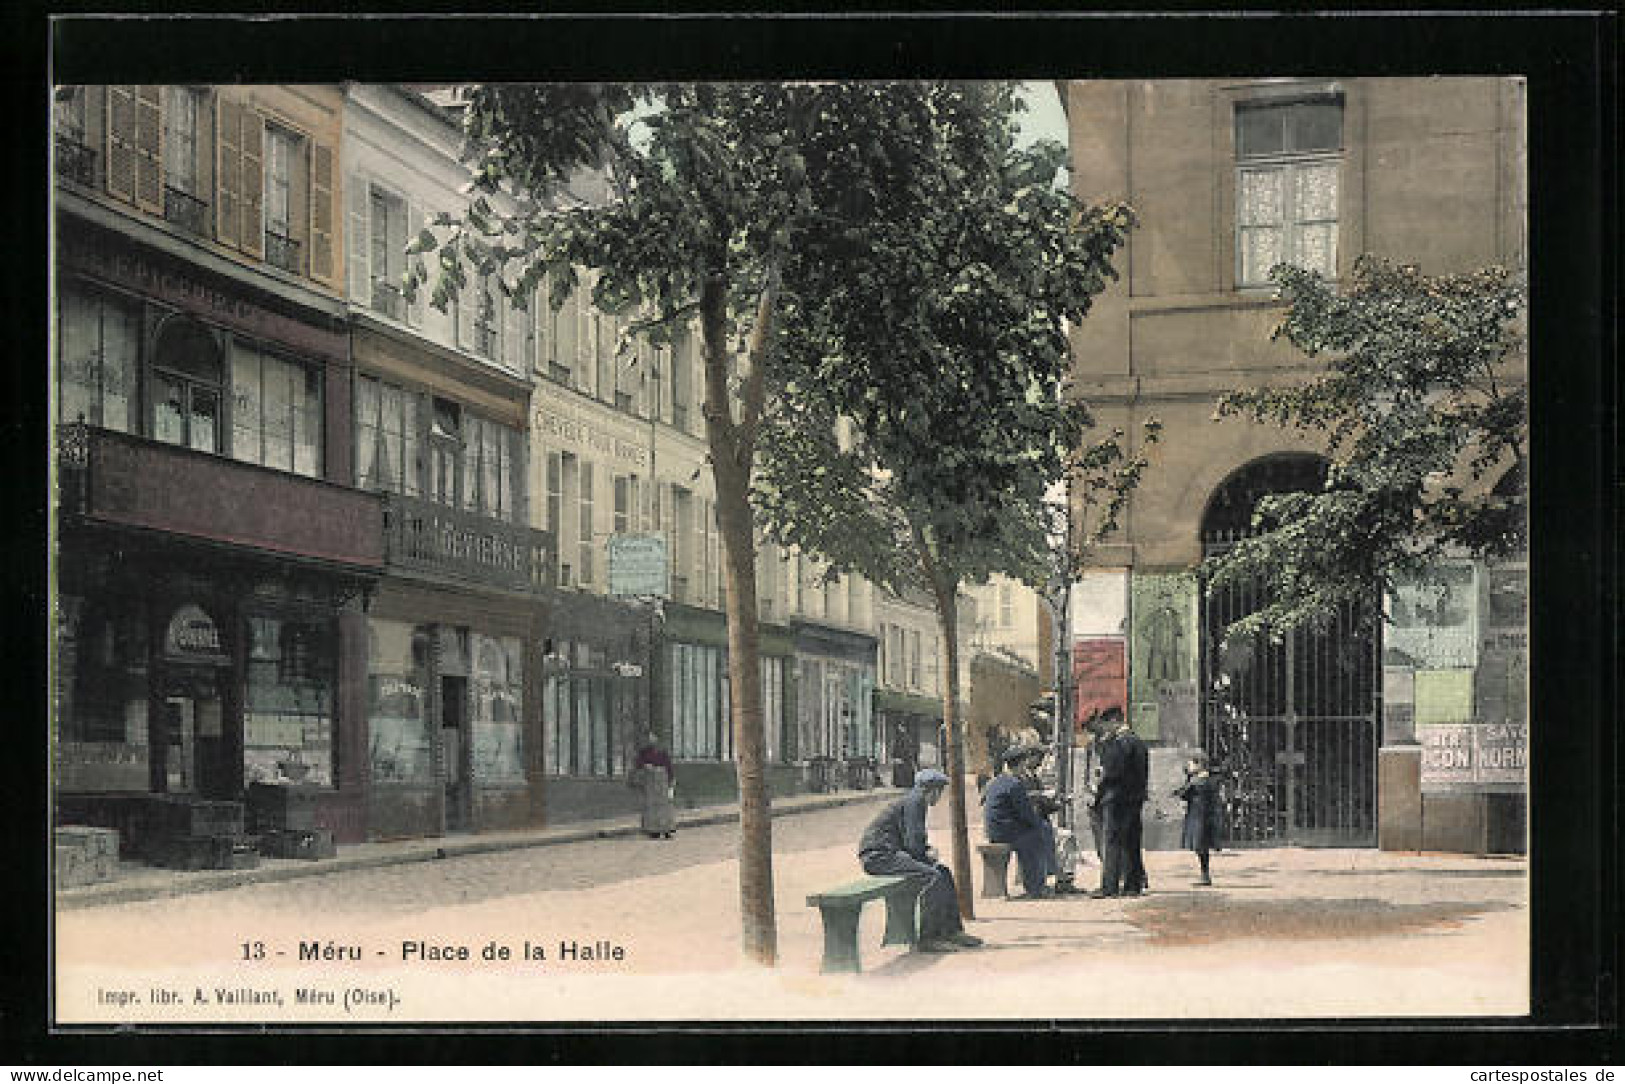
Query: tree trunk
x,y
947,598
730,468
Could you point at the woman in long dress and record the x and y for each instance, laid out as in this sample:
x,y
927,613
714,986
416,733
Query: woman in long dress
x,y
652,772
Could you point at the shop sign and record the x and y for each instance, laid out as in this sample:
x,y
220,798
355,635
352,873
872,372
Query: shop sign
x,y
192,634
1459,756
637,565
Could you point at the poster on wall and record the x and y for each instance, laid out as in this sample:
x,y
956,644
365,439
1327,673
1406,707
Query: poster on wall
x,y
1100,680
1433,620
1163,644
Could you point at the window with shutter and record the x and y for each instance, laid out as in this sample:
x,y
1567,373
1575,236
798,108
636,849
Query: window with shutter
x,y
515,335
149,148
415,313
321,213
121,142
356,196
229,172
251,229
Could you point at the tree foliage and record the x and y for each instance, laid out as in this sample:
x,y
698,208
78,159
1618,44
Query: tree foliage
x,y
794,223
1423,403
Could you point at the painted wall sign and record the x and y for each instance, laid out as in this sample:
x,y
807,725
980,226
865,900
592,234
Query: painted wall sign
x,y
565,430
1465,756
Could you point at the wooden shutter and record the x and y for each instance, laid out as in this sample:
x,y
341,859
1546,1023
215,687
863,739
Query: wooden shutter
x,y
252,230
149,148
121,142
415,309
229,171
515,335
395,245
464,309
356,252
321,213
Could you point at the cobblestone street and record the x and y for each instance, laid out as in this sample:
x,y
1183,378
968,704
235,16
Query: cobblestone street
x,y
654,930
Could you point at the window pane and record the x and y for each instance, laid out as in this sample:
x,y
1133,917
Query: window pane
x,y
78,359
1317,248
366,431
205,419
1260,199
1315,195
507,442
1260,130
491,489
278,414
307,425
168,410
1316,126
121,351
410,457
245,404
1260,251
387,469
471,465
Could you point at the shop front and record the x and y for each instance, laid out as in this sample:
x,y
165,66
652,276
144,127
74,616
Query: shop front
x,y
194,670
837,743
913,728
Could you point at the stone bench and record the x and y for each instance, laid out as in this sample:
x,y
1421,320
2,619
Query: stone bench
x,y
995,870
841,906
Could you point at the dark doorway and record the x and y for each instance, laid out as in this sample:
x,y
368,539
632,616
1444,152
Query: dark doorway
x,y
197,753
1291,726
454,745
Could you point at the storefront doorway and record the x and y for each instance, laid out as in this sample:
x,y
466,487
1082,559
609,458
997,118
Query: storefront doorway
x,y
197,758
454,744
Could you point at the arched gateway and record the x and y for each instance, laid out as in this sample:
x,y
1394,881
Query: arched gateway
x,y
1294,725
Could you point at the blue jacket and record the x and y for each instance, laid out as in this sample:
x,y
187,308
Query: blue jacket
x,y
1008,811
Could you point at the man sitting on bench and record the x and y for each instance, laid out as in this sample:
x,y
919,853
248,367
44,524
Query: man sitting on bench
x,y
895,843
1010,817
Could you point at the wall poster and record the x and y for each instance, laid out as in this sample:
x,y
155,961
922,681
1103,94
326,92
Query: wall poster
x,y
1163,645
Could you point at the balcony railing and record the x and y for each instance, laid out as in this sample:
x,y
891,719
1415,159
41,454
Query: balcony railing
x,y
75,161
432,538
186,211
282,252
387,299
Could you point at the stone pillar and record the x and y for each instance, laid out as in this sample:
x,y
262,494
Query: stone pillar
x,y
1399,798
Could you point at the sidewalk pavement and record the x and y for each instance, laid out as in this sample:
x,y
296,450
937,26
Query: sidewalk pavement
x,y
137,881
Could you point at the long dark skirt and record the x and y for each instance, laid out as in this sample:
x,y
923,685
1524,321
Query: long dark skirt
x,y
939,903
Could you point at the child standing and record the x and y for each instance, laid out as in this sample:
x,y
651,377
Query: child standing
x,y
1202,812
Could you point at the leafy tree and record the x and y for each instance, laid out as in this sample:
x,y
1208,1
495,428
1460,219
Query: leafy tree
x,y
921,411
736,206
1423,400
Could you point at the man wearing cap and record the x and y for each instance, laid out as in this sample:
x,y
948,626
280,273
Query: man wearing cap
x,y
1122,791
1009,817
895,843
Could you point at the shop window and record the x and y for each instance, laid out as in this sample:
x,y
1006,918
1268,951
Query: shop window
x,y
101,707
697,686
98,353
276,412
498,753
288,702
580,733
1288,159
186,387
399,736
387,458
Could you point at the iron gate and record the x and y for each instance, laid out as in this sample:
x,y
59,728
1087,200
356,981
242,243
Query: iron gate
x,y
1291,728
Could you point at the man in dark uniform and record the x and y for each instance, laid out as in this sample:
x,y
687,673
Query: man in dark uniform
x,y
895,843
1010,817
1124,771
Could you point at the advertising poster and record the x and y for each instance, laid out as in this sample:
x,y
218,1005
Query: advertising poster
x,y
1163,646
